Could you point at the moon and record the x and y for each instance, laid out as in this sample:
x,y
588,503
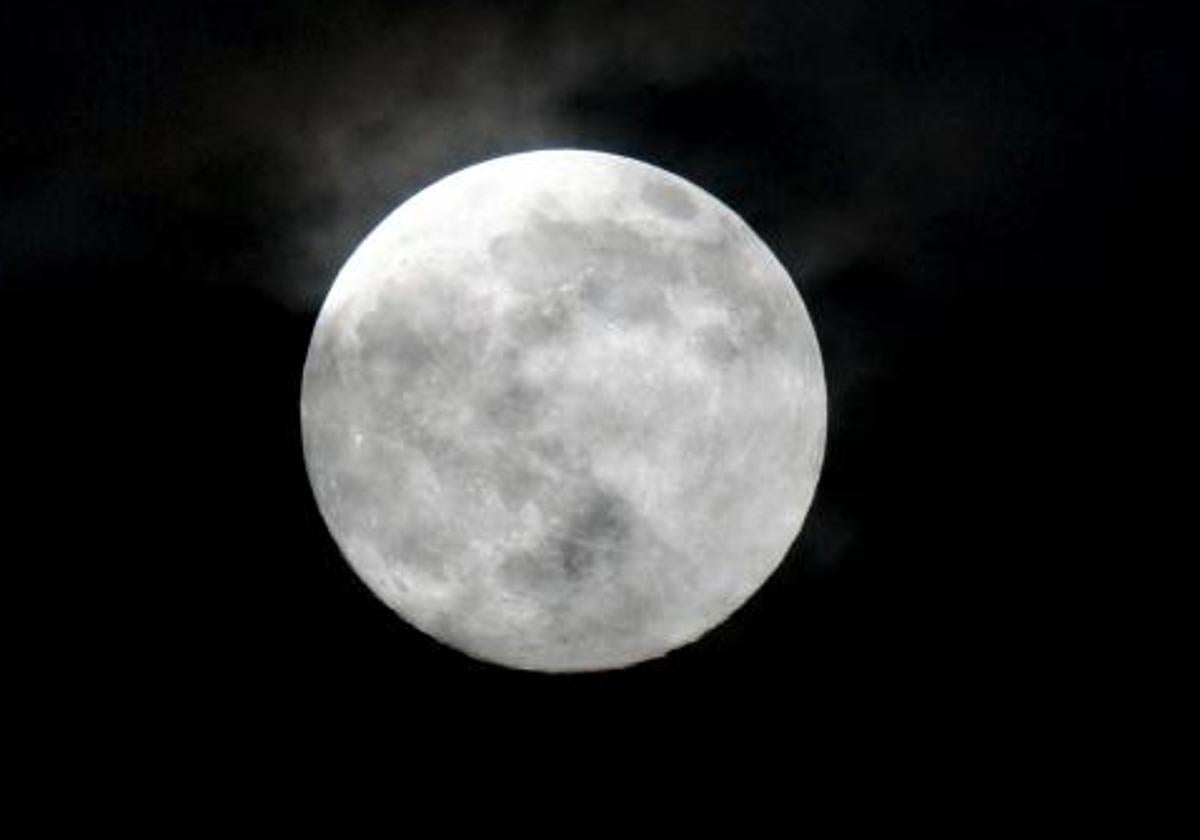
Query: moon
x,y
563,411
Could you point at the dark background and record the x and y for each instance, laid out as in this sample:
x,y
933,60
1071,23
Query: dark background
x,y
974,199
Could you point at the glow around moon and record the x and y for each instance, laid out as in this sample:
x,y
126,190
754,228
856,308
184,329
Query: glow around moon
x,y
563,411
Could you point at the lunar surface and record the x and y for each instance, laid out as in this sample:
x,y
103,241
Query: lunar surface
x,y
563,411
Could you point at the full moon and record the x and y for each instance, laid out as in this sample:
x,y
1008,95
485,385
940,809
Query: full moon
x,y
563,411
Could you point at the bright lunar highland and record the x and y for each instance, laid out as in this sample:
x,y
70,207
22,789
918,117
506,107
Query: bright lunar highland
x,y
563,411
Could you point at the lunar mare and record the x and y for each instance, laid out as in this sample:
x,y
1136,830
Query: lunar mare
x,y
563,411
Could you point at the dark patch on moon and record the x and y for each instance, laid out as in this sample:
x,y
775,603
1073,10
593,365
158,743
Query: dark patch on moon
x,y
717,346
614,270
543,320
668,199
395,349
594,542
602,528
511,404
400,545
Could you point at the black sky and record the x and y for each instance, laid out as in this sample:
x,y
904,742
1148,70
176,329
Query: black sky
x,y
972,197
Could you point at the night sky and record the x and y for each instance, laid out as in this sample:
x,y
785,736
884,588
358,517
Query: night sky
x,y
971,197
